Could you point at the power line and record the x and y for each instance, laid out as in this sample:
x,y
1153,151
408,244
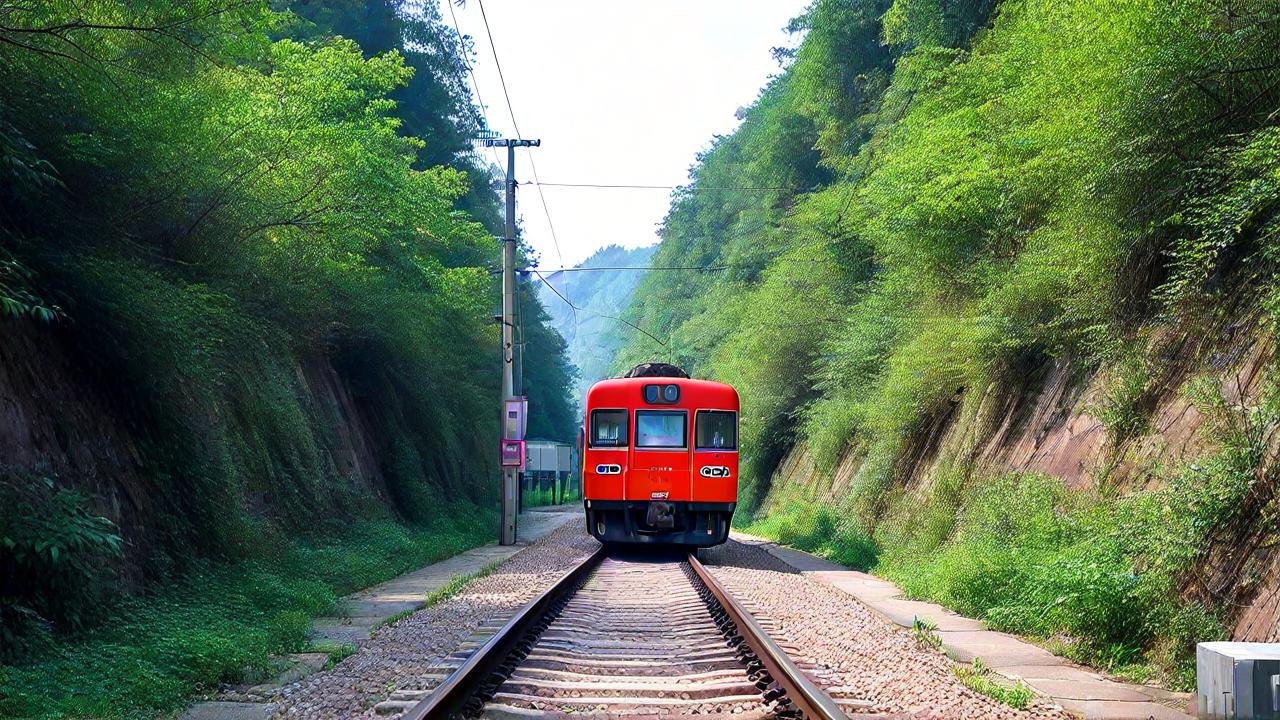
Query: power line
x,y
472,73
493,48
774,261
692,186
501,78
593,312
769,260
546,211
685,268
708,268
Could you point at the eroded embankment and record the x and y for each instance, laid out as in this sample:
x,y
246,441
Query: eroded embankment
x,y
1121,512
300,444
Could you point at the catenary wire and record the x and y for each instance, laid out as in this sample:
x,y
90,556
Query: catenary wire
x,y
472,73
593,312
533,165
631,186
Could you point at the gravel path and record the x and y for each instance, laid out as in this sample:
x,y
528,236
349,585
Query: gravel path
x,y
409,654
856,652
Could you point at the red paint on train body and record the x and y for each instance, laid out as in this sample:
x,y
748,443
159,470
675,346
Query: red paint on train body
x,y
660,462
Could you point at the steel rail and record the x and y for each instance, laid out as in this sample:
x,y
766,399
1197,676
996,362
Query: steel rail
x,y
800,690
450,697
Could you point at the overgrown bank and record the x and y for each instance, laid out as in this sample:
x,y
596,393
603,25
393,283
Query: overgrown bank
x,y
1144,549
948,210
219,623
245,300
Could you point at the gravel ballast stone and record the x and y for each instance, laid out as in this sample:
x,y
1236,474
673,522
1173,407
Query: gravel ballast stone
x,y
880,669
851,650
415,652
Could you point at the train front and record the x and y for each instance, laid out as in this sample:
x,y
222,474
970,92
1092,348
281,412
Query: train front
x,y
660,463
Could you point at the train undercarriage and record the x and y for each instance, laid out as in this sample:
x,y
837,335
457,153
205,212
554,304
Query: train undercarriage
x,y
694,524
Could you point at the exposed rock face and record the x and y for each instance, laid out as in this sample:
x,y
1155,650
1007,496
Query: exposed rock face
x,y
52,423
64,417
1045,422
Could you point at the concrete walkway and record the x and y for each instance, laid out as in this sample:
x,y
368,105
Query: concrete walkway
x,y
1076,688
364,611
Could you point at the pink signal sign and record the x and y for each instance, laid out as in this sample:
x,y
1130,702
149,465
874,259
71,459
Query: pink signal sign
x,y
513,453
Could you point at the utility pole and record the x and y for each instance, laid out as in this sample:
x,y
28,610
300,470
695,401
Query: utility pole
x,y
510,474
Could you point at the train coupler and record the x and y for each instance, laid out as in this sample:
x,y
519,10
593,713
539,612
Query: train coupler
x,y
660,515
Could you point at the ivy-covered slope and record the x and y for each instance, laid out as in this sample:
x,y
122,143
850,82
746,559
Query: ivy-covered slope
x,y
958,196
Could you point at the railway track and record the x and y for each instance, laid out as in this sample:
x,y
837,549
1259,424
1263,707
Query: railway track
x,y
621,636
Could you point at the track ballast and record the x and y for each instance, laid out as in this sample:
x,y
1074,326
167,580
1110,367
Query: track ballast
x,y
629,636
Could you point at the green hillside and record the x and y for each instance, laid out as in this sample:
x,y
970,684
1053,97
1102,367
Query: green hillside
x,y
246,349
958,194
594,336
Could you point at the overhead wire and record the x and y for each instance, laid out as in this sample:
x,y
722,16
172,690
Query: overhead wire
x,y
472,73
538,184
632,186
594,312
701,268
706,268
533,164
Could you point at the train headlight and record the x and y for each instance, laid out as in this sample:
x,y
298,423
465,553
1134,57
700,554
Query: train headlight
x,y
662,394
671,393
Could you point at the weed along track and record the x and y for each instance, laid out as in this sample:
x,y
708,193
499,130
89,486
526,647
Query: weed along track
x,y
628,636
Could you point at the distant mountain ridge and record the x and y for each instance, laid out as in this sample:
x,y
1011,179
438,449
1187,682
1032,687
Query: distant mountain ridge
x,y
593,339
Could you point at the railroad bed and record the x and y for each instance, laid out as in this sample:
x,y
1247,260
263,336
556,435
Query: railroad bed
x,y
625,637
637,635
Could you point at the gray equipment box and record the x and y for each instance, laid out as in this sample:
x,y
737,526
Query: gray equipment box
x,y
1238,680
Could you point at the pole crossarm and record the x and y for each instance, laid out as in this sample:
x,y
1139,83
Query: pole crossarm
x,y
512,142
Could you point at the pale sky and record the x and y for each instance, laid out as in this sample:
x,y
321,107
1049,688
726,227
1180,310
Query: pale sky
x,y
619,93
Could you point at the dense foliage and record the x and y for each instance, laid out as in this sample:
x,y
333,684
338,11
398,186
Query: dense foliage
x,y
957,191
225,622
211,212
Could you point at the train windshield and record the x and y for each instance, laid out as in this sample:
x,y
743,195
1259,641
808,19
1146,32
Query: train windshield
x,y
661,428
608,428
717,430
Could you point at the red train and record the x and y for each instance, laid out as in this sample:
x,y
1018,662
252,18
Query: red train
x,y
660,458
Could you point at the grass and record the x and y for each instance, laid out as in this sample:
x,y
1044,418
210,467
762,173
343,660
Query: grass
x,y
926,633
818,530
218,625
1088,575
1122,407
978,678
336,651
539,497
393,619
440,594
455,585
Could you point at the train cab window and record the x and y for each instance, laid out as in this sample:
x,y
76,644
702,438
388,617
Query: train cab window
x,y
664,429
608,428
717,430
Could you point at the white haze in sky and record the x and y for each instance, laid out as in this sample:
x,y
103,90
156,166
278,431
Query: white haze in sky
x,y
619,93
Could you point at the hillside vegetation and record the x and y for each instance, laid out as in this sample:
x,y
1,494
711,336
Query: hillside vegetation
x,y
247,357
964,192
593,334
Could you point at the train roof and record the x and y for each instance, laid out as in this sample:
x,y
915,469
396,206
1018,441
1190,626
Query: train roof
x,y
617,387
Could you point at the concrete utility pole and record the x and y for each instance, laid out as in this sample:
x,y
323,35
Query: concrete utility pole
x,y
510,475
